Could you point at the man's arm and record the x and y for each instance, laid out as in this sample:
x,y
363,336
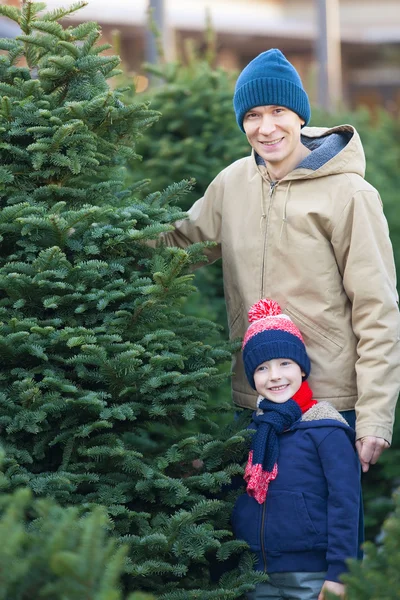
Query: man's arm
x,y
364,256
203,223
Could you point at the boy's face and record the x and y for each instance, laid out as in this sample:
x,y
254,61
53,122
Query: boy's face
x,y
278,379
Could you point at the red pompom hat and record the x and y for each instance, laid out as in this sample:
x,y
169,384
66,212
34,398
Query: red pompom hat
x,y
272,334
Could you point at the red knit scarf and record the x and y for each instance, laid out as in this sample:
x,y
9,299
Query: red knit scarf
x,y
257,479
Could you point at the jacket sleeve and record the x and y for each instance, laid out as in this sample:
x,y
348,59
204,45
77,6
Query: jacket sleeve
x,y
342,472
203,223
364,256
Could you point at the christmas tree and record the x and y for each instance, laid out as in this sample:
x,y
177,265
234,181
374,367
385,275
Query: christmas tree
x,y
198,141
105,382
53,553
202,137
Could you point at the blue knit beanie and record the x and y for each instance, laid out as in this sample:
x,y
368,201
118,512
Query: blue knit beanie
x,y
270,79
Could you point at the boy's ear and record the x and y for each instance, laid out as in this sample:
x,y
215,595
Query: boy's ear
x,y
303,374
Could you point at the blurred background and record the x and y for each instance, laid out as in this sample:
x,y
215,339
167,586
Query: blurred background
x,y
346,51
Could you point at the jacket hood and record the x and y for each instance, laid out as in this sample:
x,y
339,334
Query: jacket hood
x,y
333,151
321,415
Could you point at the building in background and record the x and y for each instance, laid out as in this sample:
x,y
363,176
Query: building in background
x,y
8,28
369,30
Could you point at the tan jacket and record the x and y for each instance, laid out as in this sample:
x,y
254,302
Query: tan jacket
x,y
317,242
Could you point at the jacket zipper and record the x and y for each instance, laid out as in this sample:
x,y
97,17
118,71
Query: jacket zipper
x,y
262,538
272,185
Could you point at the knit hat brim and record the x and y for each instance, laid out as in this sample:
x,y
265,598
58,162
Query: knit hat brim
x,y
270,91
261,348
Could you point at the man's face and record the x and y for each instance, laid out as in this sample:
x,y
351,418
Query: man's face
x,y
274,133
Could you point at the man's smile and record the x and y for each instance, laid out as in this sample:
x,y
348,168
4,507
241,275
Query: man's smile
x,y
271,143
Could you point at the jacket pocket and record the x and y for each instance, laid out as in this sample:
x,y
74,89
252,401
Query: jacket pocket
x,y
313,332
235,323
289,527
246,521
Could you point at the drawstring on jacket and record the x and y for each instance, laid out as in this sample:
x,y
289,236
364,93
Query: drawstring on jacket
x,y
272,185
263,215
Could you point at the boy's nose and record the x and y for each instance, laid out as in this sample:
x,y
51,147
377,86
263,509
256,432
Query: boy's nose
x,y
275,374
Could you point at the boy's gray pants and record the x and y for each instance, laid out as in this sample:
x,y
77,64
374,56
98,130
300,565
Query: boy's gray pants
x,y
289,586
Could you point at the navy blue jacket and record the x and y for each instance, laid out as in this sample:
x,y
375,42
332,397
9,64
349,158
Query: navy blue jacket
x,y
309,521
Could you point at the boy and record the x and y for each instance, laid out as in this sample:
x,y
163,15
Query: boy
x,y
300,513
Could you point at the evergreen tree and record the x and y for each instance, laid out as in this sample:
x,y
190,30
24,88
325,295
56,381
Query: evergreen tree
x,y
195,137
53,553
101,370
197,132
377,577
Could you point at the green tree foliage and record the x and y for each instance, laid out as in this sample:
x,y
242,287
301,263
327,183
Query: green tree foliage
x,y
196,137
52,552
377,577
197,132
101,370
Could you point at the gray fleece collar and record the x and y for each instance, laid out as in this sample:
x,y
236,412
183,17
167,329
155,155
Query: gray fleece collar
x,y
323,410
322,149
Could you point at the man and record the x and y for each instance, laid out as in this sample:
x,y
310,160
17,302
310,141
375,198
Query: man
x,y
296,221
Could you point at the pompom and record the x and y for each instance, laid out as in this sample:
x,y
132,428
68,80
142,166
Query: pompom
x,y
264,308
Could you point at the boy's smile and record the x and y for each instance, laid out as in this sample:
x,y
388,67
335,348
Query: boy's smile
x,y
278,379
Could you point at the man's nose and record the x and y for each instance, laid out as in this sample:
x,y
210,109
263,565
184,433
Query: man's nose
x,y
267,125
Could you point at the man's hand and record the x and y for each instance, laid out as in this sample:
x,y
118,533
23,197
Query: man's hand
x,y
369,449
333,587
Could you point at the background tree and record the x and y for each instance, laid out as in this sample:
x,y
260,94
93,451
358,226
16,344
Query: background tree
x,y
197,136
196,140
377,577
51,552
102,373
